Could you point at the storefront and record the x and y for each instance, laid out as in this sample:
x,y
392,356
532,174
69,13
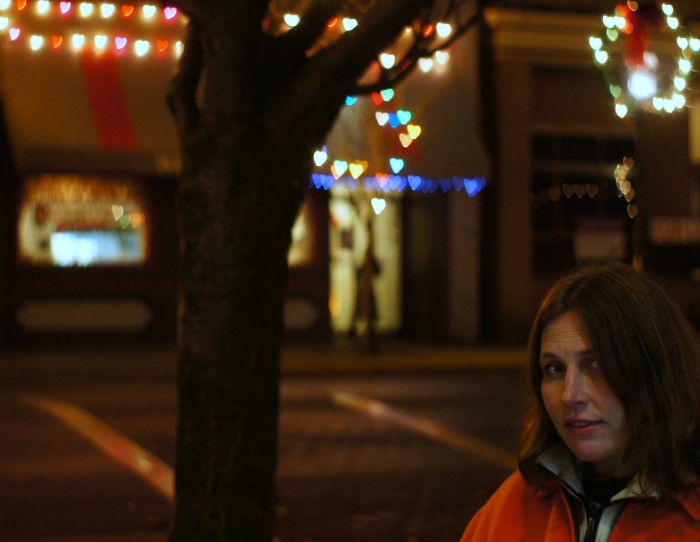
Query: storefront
x,y
89,234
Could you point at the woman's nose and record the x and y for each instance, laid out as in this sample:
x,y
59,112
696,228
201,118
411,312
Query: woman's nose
x,y
574,391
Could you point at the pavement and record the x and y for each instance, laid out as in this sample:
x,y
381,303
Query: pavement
x,y
316,443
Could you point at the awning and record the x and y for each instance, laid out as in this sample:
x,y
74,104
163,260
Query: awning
x,y
87,92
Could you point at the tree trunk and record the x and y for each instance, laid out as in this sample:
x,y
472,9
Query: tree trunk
x,y
235,239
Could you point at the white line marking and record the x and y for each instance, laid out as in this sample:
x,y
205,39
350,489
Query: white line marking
x,y
429,428
121,449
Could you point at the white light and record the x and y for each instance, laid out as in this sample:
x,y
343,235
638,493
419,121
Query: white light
x,y
684,65
682,42
349,24
149,10
141,47
608,21
443,29
425,64
620,22
658,103
387,60
42,7
595,43
5,4
4,23
695,44
621,110
667,9
107,10
679,101
291,19
178,48
86,9
100,41
36,42
378,205
641,84
442,57
672,23
669,106
601,57
78,41
679,83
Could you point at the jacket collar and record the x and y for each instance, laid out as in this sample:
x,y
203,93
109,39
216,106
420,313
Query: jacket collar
x,y
563,464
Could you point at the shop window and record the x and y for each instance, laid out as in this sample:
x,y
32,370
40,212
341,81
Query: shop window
x,y
80,221
578,212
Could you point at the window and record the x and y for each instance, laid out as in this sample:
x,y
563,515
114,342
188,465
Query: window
x,y
579,214
76,220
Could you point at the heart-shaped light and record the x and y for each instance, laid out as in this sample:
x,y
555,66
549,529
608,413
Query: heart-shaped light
x,y
100,41
170,12
396,164
127,10
592,190
141,47
554,192
349,24
78,41
56,41
356,170
414,130
425,64
320,157
377,98
387,60
120,42
107,10
394,121
382,118
64,7
404,116
580,190
387,94
162,45
340,167
14,33
137,219
382,179
414,182
349,100
149,11
568,190
378,204
405,139
443,29
117,211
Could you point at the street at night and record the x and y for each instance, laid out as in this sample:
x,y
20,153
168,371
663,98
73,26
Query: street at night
x,y
89,437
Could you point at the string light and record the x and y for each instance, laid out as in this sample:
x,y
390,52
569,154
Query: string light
x,y
642,87
471,186
99,40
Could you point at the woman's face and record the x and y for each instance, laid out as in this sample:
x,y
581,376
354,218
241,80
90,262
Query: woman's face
x,y
587,415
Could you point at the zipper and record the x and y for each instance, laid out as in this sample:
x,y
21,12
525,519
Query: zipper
x,y
592,526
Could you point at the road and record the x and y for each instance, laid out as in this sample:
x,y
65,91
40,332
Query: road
x,y
88,446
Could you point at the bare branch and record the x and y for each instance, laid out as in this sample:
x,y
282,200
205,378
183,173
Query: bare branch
x,y
311,28
420,49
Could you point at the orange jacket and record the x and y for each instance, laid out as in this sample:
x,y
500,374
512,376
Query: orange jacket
x,y
517,513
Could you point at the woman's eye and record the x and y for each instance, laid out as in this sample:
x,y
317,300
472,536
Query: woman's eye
x,y
552,369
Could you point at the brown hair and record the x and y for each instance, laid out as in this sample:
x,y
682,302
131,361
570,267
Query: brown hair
x,y
650,356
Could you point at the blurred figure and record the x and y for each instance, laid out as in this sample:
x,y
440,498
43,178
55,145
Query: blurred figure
x,y
611,445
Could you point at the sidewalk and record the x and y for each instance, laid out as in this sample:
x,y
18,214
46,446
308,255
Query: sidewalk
x,y
397,356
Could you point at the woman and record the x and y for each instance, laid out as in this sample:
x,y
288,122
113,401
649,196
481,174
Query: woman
x,y
611,445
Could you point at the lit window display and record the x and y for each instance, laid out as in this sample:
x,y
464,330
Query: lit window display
x,y
78,221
